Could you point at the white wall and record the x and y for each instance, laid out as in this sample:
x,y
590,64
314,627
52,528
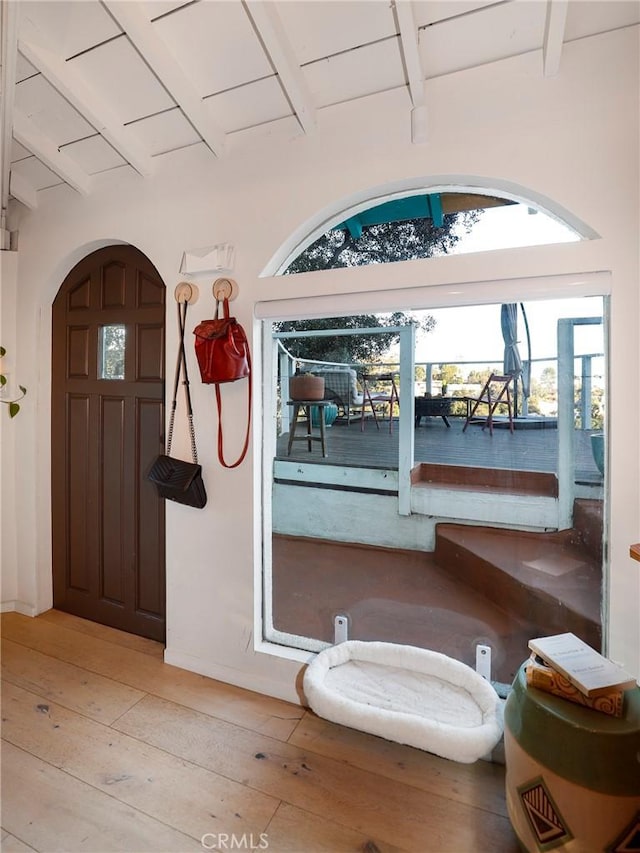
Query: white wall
x,y
572,140
8,428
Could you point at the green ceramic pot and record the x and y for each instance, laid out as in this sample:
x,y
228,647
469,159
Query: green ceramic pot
x,y
597,449
330,414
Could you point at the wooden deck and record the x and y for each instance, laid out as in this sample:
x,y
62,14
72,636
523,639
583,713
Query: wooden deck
x,y
524,450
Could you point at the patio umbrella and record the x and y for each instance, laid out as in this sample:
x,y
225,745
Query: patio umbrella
x,y
512,359
525,376
509,325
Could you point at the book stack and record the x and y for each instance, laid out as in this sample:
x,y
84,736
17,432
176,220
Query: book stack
x,y
567,667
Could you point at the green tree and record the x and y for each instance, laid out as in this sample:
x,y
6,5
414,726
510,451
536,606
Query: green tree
x,y
385,243
548,382
348,349
450,374
534,404
113,346
478,377
597,408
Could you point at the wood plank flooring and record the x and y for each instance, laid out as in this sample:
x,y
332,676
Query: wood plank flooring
x,y
106,748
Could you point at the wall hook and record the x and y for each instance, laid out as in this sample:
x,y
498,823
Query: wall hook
x,y
186,292
225,288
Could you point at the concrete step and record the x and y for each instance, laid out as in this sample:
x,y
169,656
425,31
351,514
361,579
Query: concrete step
x,y
547,580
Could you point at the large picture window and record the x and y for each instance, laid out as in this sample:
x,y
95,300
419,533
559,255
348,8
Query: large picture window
x,y
438,520
484,556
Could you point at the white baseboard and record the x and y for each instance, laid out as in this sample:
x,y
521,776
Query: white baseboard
x,y
18,607
248,680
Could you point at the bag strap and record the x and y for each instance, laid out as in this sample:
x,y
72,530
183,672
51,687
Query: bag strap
x,y
219,403
181,365
225,309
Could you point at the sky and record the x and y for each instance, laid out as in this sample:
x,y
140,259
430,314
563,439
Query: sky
x,y
512,226
462,334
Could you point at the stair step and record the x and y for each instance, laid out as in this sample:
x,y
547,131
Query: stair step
x,y
491,480
542,578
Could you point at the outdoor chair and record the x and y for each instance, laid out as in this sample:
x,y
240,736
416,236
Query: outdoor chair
x,y
341,387
481,409
374,398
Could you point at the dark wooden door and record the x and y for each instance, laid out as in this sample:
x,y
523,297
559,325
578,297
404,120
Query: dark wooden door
x,y
107,428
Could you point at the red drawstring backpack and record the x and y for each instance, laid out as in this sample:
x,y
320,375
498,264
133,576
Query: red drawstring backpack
x,y
222,350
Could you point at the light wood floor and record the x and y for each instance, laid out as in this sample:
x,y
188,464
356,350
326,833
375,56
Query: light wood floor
x,y
105,747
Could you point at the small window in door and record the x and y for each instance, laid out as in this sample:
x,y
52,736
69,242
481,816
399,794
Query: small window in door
x,y
111,354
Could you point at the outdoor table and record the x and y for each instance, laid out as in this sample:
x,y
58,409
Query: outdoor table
x,y
309,437
426,407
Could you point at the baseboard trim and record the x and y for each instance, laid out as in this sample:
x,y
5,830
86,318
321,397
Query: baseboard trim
x,y
16,606
266,685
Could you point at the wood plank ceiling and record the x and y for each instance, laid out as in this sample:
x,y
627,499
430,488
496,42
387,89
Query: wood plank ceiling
x,y
93,86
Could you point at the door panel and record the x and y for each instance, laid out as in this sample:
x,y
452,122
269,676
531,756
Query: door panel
x,y
78,481
78,352
149,350
113,285
107,428
113,499
150,420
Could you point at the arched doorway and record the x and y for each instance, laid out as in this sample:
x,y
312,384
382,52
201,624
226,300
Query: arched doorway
x,y
107,427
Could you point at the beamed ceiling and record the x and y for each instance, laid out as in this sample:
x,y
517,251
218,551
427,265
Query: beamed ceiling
x,y
99,85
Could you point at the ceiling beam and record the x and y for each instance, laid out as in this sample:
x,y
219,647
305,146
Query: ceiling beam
x,y
554,36
9,58
413,68
153,50
24,191
86,100
282,57
410,52
29,135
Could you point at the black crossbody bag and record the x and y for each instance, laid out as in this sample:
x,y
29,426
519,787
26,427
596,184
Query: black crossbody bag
x,y
176,479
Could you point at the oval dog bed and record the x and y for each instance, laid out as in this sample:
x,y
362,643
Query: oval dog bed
x,y
406,694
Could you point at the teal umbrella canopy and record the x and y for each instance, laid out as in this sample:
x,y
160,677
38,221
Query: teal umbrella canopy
x,y
398,210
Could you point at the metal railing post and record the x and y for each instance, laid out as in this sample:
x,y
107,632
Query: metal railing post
x,y
566,430
285,369
406,433
585,395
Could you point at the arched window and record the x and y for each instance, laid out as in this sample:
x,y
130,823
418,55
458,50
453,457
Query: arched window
x,y
429,224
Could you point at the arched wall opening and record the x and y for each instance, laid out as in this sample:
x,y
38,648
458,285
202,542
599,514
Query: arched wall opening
x,y
363,500
342,209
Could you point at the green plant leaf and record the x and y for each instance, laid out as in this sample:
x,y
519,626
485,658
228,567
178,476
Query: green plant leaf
x,y
23,389
14,408
2,351
3,379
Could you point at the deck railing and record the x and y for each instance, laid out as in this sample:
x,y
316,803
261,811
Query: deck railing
x,y
583,364
406,368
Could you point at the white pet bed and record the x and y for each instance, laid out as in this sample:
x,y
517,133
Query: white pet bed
x,y
408,695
